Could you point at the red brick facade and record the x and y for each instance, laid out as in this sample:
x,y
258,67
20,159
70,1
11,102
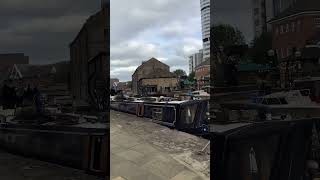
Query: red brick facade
x,y
202,74
293,32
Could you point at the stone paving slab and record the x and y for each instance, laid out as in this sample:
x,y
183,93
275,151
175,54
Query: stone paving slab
x,y
135,158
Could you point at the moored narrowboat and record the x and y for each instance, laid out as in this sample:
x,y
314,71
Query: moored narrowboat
x,y
189,116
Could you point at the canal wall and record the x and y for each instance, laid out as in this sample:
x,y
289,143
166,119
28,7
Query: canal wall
x,y
81,148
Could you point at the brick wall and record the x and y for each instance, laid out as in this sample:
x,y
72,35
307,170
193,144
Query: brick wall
x,y
293,32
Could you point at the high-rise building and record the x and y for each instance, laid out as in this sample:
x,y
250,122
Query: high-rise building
x,y
194,60
263,11
205,22
281,5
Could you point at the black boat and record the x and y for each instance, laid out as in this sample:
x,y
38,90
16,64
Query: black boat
x,y
188,116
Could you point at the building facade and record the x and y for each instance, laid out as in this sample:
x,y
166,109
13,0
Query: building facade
x,y
293,29
281,5
8,60
153,77
202,74
195,60
159,85
89,45
263,11
205,22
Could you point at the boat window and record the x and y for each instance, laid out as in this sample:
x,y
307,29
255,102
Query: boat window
x,y
271,101
283,101
305,92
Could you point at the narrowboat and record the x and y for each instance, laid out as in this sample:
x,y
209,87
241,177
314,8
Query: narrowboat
x,y
189,116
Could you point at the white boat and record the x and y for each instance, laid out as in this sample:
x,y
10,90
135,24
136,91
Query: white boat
x,y
200,95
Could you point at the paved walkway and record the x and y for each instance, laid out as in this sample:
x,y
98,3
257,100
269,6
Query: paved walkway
x,y
14,167
134,157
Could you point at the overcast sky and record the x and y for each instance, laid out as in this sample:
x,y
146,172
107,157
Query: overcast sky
x,y
42,29
169,30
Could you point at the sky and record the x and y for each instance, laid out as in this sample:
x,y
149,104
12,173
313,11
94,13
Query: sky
x,y
42,29
169,30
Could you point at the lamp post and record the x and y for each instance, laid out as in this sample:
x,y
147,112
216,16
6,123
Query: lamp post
x,y
272,60
297,55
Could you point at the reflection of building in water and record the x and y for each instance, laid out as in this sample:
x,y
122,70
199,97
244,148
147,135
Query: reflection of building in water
x,y
8,60
51,79
90,47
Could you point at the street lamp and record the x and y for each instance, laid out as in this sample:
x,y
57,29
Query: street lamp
x,y
273,62
271,53
297,54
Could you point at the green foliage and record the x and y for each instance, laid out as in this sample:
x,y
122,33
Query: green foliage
x,y
179,72
260,47
225,35
191,77
129,84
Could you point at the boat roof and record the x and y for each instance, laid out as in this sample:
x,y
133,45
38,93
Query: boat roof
x,y
242,105
222,128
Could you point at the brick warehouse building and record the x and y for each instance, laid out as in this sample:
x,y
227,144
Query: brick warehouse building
x,y
89,55
153,78
293,29
202,74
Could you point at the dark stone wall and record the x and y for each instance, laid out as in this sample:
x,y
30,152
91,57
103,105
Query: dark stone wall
x,y
65,147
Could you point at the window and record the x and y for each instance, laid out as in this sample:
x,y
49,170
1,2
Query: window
x,y
281,29
299,26
277,31
287,28
317,22
256,11
293,27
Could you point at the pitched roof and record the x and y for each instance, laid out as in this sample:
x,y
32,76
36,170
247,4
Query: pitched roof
x,y
146,62
160,73
300,6
28,70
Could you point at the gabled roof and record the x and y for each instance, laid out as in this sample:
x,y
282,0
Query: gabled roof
x,y
92,19
160,73
30,71
301,6
146,62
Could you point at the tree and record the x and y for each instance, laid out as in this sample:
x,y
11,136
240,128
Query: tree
x,y
191,77
225,35
129,84
179,72
260,46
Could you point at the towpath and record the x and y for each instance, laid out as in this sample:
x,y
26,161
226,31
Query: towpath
x,y
141,149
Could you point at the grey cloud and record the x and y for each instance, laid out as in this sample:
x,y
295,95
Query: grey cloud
x,y
42,29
